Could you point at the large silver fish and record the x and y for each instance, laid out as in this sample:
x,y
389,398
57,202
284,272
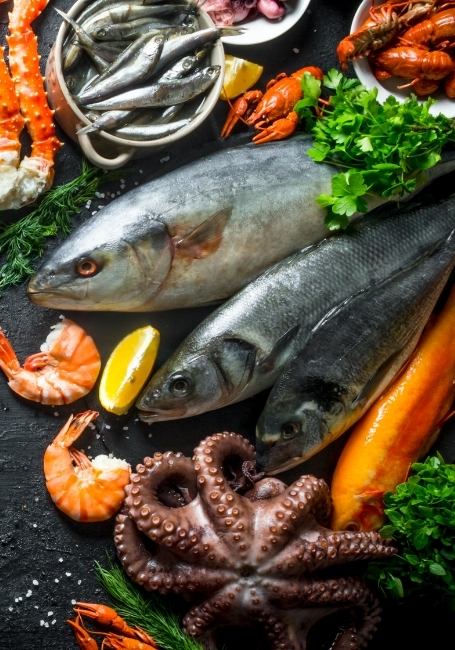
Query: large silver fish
x,y
193,236
351,357
241,348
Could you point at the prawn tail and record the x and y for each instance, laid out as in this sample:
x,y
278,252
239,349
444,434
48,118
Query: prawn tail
x,y
74,427
8,359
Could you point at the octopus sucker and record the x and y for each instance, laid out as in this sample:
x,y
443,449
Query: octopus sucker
x,y
245,548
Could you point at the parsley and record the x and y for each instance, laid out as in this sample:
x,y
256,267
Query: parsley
x,y
384,148
420,518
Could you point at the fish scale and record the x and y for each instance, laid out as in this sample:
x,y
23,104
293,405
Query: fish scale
x,y
241,348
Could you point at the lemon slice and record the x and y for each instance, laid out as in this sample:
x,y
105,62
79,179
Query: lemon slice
x,y
127,369
239,76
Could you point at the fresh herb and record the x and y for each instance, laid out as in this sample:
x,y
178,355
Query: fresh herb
x,y
420,518
384,148
148,613
22,242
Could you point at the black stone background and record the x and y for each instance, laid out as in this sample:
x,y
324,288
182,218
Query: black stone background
x,y
37,543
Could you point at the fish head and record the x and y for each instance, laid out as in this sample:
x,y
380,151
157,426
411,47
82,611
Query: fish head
x,y
181,389
105,266
295,425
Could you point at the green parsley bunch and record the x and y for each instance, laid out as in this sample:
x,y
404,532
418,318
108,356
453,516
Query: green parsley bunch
x,y
383,147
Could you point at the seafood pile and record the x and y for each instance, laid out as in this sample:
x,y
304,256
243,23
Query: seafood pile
x,y
228,12
133,68
412,41
23,101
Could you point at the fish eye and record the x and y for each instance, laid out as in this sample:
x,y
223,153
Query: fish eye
x,y
101,33
290,429
180,385
86,267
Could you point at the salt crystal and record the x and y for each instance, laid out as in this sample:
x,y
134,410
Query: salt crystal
x,y
68,574
42,622
56,414
79,582
10,609
125,428
107,426
164,159
29,593
54,621
295,50
46,624
60,559
57,580
19,598
50,613
35,525
35,582
73,602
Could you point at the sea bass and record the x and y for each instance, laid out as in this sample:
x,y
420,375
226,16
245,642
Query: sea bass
x,y
242,346
350,358
193,236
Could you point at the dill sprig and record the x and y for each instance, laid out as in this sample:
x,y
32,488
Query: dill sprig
x,y
22,242
150,614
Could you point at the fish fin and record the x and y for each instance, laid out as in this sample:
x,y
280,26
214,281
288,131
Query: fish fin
x,y
206,238
372,385
239,356
277,354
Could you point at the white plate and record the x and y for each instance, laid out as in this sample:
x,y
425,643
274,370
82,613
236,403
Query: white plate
x,y
260,29
387,88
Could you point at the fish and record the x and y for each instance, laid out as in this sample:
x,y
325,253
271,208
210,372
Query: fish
x,y
348,360
86,42
161,93
129,74
195,235
130,31
151,131
243,346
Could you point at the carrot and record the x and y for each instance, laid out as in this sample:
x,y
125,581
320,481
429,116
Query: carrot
x,y
398,429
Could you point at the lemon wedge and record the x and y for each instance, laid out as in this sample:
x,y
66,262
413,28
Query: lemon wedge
x,y
128,368
239,76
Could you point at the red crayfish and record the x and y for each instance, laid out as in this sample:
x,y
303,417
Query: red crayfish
x,y
410,29
271,112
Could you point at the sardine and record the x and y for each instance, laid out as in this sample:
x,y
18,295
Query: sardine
x,y
130,31
350,358
242,347
195,235
134,72
151,131
86,42
161,93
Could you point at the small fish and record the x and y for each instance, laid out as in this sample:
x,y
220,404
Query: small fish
x,y
161,93
86,43
151,131
350,358
130,31
109,120
129,74
243,346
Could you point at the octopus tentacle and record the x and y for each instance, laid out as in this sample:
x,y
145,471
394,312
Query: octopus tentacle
x,y
282,516
349,592
230,512
204,617
158,572
185,529
305,556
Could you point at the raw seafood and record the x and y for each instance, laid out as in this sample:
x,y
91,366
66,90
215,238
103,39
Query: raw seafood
x,y
350,358
398,429
241,348
84,490
194,236
65,370
229,12
23,183
252,556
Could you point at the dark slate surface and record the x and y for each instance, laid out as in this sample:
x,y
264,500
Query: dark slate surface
x,y
47,560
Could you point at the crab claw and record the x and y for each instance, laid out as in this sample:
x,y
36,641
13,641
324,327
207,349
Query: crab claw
x,y
278,130
83,638
242,107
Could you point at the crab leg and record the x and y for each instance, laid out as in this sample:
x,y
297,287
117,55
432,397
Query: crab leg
x,y
36,171
11,124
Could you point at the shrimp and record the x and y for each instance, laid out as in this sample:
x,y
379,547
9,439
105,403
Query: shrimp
x,y
84,490
65,370
105,615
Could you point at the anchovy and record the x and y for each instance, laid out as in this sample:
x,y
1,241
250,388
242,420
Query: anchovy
x,y
162,93
132,30
129,74
242,347
350,358
197,234
86,42
151,131
109,121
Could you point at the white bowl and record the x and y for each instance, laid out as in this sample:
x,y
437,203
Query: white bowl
x,y
387,88
260,29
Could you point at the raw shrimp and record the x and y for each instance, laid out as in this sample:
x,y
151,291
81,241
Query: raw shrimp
x,y
84,490
65,370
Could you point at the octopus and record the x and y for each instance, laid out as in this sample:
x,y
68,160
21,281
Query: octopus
x,y
245,548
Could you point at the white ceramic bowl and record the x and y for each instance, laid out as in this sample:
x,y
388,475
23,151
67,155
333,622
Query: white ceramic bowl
x,y
261,30
389,87
105,149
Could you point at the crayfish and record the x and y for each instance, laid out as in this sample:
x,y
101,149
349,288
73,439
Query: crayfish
x,y
271,113
410,29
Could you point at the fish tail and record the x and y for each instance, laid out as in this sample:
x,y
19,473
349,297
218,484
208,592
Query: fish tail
x,y
87,129
231,31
